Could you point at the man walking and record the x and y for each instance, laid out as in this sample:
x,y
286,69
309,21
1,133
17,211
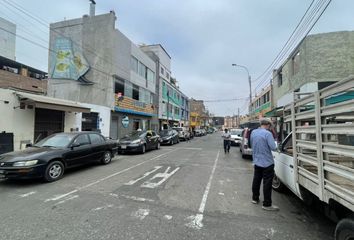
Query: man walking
x,y
262,143
226,136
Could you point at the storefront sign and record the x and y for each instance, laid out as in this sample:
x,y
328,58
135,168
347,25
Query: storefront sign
x,y
125,121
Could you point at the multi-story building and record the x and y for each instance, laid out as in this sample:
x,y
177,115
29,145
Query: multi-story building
x,y
185,112
169,97
218,122
7,39
319,60
94,63
231,122
198,114
261,104
27,114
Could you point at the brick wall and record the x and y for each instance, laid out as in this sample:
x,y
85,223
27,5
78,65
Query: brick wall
x,y
13,80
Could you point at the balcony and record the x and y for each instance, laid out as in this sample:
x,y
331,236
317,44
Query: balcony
x,y
128,105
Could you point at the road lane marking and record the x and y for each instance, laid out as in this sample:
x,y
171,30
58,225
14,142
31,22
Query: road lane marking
x,y
103,207
164,176
168,217
141,213
221,194
27,194
67,199
196,221
58,197
138,199
144,176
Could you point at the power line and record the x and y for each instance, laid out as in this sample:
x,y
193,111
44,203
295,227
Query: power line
x,y
304,26
226,100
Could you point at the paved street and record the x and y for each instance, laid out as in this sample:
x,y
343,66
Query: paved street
x,y
187,191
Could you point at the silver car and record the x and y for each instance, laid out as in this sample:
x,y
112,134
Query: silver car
x,y
183,133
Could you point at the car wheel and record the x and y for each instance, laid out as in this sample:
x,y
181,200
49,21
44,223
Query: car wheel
x,y
171,142
107,158
345,229
277,185
143,149
54,171
158,146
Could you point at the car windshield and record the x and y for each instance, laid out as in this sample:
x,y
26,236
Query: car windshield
x,y
236,132
136,134
57,140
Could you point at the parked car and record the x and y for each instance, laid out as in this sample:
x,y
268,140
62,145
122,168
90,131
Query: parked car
x,y
236,137
169,136
245,146
139,141
203,132
183,133
50,157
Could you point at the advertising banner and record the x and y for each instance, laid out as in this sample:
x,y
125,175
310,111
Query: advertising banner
x,y
68,61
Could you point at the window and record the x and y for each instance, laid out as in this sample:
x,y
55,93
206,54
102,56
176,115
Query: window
x,y
142,70
162,71
295,63
128,89
280,78
167,75
150,77
134,64
135,92
82,140
119,86
288,146
96,139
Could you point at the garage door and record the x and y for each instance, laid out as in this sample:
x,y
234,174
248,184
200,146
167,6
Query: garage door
x,y
47,122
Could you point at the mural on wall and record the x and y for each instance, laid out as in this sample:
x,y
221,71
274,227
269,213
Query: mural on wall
x,y
68,61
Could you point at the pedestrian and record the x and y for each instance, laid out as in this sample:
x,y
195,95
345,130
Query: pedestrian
x,y
263,143
227,137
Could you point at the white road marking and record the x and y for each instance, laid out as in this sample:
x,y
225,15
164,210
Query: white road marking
x,y
27,194
165,175
141,213
144,176
58,197
67,199
168,217
196,221
221,193
139,199
270,233
103,207
113,195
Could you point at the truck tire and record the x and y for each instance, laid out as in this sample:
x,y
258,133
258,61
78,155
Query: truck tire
x,y
277,185
345,229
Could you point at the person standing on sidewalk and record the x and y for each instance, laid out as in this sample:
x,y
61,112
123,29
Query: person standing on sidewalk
x,y
262,142
227,137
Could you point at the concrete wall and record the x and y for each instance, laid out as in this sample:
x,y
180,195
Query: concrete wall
x,y
7,40
95,35
323,57
18,121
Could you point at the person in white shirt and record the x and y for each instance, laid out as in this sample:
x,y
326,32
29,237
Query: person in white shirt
x,y
227,137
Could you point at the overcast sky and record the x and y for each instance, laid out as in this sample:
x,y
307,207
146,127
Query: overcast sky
x,y
203,37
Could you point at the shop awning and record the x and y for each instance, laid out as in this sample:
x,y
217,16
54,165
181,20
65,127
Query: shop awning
x,y
40,101
276,112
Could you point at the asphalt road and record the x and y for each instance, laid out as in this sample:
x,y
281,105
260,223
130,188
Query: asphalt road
x,y
191,190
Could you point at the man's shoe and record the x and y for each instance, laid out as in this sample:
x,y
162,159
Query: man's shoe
x,y
270,208
255,201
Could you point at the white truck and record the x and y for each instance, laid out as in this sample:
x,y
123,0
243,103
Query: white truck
x,y
316,160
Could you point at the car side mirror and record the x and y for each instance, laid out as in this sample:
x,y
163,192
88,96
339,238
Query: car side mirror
x,y
74,145
280,147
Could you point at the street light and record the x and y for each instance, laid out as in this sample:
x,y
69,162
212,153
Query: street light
x,y
249,82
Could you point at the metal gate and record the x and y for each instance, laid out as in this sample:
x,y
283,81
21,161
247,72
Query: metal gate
x,y
6,142
47,122
90,122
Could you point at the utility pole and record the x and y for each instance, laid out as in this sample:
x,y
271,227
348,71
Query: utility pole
x,y
249,82
238,117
